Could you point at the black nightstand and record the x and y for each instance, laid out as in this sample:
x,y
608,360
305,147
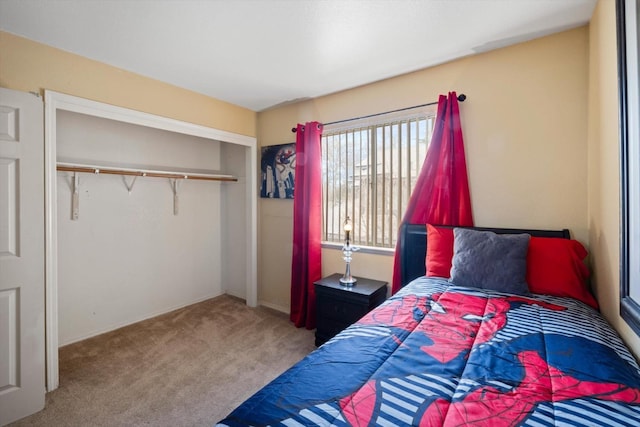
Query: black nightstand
x,y
338,306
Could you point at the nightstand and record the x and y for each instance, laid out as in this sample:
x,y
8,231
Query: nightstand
x,y
338,306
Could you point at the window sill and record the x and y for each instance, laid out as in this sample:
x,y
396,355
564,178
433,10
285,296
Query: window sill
x,y
363,249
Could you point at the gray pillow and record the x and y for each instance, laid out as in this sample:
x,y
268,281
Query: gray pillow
x,y
483,259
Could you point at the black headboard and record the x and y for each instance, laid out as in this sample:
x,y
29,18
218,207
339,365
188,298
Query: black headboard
x,y
413,246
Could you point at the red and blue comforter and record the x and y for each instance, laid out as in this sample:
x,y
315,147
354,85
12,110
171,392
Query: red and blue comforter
x,y
436,354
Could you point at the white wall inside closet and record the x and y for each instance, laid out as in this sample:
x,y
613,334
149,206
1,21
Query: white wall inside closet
x,y
235,205
128,257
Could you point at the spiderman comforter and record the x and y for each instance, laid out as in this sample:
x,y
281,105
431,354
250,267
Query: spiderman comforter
x,y
436,354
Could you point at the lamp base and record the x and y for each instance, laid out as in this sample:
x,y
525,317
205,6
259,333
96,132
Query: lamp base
x,y
348,281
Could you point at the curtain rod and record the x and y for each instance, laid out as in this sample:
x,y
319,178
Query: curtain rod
x,y
461,98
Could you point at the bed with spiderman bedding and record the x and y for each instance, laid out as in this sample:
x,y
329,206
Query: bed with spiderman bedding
x,y
495,327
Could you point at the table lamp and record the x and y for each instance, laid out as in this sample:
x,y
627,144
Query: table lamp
x,y
347,250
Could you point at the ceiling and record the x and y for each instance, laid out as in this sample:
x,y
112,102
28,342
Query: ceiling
x,y
261,53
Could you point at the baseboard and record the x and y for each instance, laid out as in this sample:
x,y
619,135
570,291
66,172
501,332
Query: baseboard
x,y
136,320
233,294
276,307
267,304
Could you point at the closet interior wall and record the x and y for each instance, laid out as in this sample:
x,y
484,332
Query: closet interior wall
x,y
128,256
235,199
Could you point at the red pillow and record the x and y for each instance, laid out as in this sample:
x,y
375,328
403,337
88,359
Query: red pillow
x,y
555,266
439,251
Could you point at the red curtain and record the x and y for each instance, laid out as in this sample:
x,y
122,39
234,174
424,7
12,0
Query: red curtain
x,y
441,194
306,262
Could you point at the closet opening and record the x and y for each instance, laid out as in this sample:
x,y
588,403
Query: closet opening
x,y
144,215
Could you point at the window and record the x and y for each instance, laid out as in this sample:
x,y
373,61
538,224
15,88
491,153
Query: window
x,y
629,71
369,170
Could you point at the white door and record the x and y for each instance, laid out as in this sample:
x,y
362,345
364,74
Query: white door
x,y
22,340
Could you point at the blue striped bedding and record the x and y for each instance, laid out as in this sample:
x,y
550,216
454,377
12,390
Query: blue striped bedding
x,y
437,354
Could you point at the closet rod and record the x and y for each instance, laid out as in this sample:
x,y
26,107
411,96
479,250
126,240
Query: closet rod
x,y
71,167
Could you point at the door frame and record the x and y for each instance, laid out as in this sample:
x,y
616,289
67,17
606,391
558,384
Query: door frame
x,y
54,102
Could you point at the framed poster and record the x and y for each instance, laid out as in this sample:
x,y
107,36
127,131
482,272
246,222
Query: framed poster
x,y
278,166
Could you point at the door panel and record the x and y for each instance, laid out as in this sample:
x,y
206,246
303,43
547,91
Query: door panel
x,y
8,207
22,340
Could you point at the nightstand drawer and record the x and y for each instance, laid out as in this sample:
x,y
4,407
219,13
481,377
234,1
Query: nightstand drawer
x,y
331,327
344,311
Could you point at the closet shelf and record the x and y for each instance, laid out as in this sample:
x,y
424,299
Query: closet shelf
x,y
95,169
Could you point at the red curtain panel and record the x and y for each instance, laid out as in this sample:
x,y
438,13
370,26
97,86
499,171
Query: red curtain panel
x,y
441,194
306,262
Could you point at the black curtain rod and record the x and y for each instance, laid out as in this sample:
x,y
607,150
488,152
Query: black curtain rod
x,y
461,98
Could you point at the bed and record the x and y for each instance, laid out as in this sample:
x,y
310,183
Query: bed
x,y
485,353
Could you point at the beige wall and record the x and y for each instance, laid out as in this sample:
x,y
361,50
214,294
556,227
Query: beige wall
x,y
603,164
525,129
31,67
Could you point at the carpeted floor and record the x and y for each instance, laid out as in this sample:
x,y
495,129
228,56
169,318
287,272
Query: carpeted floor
x,y
190,367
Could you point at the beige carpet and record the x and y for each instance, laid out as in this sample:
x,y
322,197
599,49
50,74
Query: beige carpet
x,y
190,367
